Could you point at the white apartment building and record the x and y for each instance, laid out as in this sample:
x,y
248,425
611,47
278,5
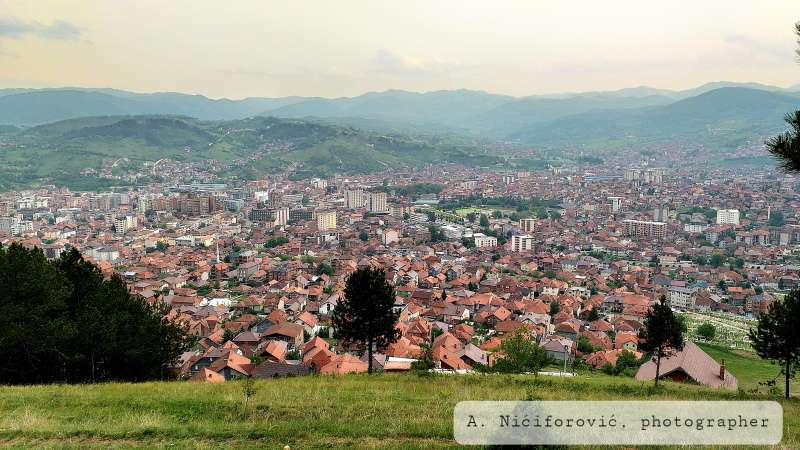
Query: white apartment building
x,y
653,175
660,214
484,241
682,298
281,217
452,231
8,223
124,223
377,203
319,183
643,228
354,198
103,254
694,228
521,242
730,216
616,203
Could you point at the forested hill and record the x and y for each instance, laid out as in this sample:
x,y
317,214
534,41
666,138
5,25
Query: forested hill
x,y
59,152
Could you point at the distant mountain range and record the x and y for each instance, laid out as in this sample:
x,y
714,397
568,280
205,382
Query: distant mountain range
x,y
720,114
35,107
723,118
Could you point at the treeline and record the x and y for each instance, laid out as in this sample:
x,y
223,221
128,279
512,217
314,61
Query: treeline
x,y
520,204
62,321
410,190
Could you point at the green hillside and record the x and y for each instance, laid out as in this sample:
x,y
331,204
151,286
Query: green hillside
x,y
723,118
749,369
635,114
57,152
354,411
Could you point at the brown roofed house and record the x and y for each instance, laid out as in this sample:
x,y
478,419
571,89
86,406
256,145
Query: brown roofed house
x,y
691,363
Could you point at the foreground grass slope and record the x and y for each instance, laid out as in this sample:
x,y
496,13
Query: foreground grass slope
x,y
355,411
749,369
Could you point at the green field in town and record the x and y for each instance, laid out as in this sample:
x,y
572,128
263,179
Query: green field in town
x,y
488,211
731,331
354,411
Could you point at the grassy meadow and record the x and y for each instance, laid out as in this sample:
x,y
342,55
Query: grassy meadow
x,y
354,411
748,368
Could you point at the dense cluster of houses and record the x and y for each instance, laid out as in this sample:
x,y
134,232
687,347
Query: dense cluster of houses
x,y
256,269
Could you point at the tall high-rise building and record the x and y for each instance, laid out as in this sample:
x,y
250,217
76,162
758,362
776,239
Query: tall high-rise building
x,y
661,214
527,225
326,220
632,174
521,242
354,198
654,175
377,202
281,216
616,203
275,198
144,203
124,223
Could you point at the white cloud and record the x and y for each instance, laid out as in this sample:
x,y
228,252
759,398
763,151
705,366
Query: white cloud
x,y
17,29
393,63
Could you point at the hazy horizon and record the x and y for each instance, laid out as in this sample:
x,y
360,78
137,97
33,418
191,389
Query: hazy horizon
x,y
333,97
344,49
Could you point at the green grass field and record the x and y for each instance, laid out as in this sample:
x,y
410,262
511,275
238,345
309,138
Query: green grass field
x,y
731,332
355,411
748,368
478,210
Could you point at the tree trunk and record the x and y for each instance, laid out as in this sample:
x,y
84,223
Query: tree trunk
x,y
788,372
369,356
93,379
658,364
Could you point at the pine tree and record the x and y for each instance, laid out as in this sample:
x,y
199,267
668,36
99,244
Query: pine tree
x,y
662,333
777,336
786,147
33,322
87,328
365,316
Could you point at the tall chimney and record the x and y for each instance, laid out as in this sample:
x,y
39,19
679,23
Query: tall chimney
x,y
722,370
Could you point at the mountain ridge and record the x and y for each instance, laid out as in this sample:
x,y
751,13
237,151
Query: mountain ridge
x,y
27,107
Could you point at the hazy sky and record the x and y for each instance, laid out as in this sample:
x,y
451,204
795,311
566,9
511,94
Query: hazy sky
x,y
330,48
